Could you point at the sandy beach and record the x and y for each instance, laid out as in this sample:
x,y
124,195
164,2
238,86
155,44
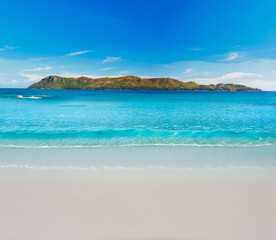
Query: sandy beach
x,y
138,120
38,205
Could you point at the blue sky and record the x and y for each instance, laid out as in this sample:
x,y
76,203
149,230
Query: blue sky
x,y
202,41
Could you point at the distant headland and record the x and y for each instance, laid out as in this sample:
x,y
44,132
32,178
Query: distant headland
x,y
132,83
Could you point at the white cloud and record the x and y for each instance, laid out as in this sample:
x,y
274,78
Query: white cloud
x,y
8,48
78,53
188,70
32,77
112,59
238,75
122,73
227,77
12,82
105,69
231,56
40,58
39,69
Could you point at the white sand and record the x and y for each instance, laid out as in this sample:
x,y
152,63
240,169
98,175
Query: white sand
x,y
53,205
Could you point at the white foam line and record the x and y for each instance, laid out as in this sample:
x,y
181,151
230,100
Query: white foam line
x,y
79,168
137,145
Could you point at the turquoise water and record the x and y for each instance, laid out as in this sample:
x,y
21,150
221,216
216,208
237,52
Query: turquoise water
x,y
68,119
75,118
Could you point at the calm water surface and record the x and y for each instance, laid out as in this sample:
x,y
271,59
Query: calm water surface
x,y
69,119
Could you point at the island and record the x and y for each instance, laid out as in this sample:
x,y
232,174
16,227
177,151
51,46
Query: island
x,y
132,83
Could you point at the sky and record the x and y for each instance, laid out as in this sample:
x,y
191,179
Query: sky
x,y
205,41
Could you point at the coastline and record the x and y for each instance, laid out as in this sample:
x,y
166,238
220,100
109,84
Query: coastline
x,y
143,159
108,165
40,201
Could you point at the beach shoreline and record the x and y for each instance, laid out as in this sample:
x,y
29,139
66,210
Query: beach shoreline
x,y
145,165
146,158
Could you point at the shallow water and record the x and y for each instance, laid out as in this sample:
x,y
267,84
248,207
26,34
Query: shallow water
x,y
77,119
146,158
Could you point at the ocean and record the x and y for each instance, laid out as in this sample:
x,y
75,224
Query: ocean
x,y
100,129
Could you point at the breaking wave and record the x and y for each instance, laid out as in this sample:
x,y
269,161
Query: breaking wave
x,y
134,137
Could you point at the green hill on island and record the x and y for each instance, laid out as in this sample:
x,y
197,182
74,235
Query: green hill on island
x,y
131,83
